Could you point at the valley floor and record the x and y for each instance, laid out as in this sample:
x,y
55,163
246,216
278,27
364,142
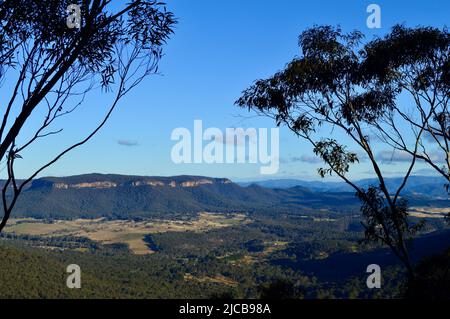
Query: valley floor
x,y
209,256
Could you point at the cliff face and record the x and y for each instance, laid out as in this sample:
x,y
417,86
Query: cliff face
x,y
97,181
85,185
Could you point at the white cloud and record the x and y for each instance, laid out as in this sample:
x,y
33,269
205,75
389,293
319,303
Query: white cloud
x,y
127,143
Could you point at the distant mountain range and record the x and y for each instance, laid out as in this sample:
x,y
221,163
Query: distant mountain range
x,y
432,186
124,197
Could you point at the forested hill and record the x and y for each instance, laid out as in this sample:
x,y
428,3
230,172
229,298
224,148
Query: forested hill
x,y
120,196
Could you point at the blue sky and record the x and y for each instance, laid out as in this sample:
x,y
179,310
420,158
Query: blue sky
x,y
219,48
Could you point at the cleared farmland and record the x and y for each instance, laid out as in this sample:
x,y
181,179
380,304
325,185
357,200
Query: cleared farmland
x,y
129,232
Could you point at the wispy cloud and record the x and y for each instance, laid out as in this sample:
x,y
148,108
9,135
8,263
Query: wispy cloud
x,y
314,159
232,139
392,157
387,157
128,143
307,159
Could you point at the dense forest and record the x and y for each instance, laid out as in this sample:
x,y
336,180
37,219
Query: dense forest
x,y
283,257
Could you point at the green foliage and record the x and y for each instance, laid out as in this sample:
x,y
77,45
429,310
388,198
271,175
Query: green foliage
x,y
336,156
384,223
432,279
148,24
281,289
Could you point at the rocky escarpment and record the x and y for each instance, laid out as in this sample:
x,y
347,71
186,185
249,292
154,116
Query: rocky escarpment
x,y
98,181
85,185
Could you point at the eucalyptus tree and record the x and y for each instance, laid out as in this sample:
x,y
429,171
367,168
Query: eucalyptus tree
x,y
55,55
341,84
